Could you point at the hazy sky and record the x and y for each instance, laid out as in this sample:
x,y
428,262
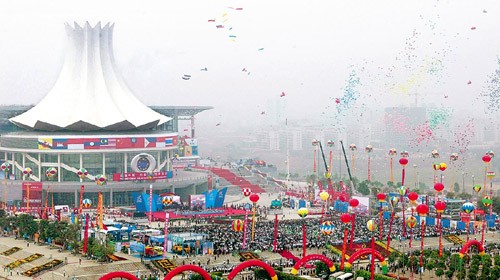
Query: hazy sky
x,y
308,49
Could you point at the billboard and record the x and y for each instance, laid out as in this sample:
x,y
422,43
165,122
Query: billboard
x,y
363,207
197,200
32,191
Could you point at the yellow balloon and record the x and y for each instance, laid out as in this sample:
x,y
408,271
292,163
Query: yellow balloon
x,y
371,225
324,195
303,212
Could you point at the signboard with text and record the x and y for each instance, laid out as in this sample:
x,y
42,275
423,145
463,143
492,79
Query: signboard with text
x,y
32,192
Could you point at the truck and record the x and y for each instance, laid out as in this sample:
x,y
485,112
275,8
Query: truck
x,y
181,249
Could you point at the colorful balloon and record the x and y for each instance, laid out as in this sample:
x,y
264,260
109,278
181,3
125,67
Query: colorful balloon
x,y
468,207
369,148
454,157
490,153
394,201
82,173
302,212
246,192
435,154
238,225
392,152
5,167
403,190
486,158
443,166
326,228
324,195
404,154
27,171
371,225
353,147
411,221
86,203
436,166
487,201
101,180
330,143
477,188
167,200
490,174
51,172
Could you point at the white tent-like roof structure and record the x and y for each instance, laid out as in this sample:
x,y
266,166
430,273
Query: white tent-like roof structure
x,y
89,94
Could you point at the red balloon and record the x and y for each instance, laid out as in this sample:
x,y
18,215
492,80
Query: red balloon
x,y
381,196
345,218
438,187
486,158
254,198
412,196
440,206
422,209
354,202
403,161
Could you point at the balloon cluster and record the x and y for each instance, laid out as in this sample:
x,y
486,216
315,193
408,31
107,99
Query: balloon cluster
x,y
440,206
324,196
439,187
439,166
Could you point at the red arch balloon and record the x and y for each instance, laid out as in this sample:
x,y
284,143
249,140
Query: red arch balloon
x,y
118,274
467,245
250,263
308,258
364,252
187,267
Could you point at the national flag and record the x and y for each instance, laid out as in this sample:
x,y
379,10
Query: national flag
x,y
60,144
130,142
91,143
108,143
44,143
150,142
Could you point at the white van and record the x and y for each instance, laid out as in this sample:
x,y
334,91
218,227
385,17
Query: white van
x,y
347,276
335,275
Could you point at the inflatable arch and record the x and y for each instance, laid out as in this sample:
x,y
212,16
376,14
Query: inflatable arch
x,y
312,257
467,245
118,274
368,251
187,267
250,263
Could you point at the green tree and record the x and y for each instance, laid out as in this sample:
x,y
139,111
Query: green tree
x,y
464,196
449,274
27,226
495,272
456,187
439,272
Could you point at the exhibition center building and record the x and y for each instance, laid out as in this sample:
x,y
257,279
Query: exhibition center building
x,y
90,134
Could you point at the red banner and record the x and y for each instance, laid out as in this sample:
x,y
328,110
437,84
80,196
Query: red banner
x,y
82,190
32,192
134,176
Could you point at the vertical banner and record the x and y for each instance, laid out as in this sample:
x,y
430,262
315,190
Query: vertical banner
x,y
99,208
209,181
86,234
165,233
46,207
150,204
32,195
82,190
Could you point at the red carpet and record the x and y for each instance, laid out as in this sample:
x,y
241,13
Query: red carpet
x,y
234,179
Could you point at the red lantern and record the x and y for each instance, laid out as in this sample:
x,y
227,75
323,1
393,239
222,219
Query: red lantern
x,y
345,218
254,198
440,206
354,202
422,209
381,197
486,158
412,196
438,187
403,161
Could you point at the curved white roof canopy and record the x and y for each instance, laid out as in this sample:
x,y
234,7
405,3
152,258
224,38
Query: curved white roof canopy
x,y
89,94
